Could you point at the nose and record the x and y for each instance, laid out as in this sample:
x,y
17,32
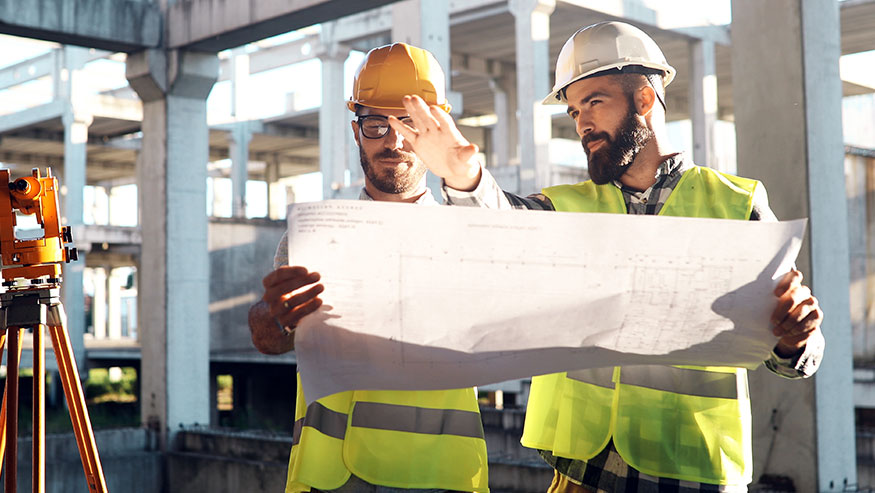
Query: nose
x,y
583,125
393,139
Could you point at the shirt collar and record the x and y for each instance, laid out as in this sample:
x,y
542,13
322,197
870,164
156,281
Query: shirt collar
x,y
677,163
426,199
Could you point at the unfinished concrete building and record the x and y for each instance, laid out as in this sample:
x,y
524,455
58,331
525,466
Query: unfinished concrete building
x,y
176,175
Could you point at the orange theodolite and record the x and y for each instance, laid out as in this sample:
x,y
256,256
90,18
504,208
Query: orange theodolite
x,y
31,301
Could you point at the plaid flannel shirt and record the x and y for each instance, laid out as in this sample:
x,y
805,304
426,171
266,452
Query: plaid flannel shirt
x,y
607,471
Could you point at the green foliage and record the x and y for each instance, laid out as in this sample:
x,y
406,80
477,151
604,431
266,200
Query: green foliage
x,y
101,388
111,403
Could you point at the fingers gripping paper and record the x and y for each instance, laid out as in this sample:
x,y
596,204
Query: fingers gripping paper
x,y
424,298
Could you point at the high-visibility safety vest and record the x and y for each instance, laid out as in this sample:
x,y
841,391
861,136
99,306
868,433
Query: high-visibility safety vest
x,y
682,422
417,440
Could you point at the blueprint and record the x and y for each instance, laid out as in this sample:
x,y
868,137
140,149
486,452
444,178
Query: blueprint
x,y
424,298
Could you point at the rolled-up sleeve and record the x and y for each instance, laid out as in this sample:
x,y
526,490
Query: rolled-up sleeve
x,y
489,195
802,365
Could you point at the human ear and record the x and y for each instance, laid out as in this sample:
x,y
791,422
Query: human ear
x,y
355,132
645,98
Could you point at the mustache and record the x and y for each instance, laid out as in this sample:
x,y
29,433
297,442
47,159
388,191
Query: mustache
x,y
395,154
586,139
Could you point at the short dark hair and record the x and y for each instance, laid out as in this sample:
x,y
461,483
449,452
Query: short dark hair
x,y
654,77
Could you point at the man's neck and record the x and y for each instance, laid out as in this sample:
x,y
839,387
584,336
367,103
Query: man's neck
x,y
641,174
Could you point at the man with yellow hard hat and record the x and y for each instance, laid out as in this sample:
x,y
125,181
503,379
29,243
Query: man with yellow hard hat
x,y
375,441
636,428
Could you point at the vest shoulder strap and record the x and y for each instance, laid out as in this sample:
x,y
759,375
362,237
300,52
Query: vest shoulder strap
x,y
586,196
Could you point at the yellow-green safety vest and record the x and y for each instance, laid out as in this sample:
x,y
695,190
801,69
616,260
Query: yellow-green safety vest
x,y
416,440
682,422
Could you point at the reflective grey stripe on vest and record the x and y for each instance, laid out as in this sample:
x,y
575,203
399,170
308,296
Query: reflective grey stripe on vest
x,y
331,423
698,383
412,419
603,377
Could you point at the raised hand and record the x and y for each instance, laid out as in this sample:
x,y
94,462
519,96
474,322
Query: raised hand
x,y
438,142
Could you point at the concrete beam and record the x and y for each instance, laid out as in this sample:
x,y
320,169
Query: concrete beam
x,y
38,66
216,25
113,25
28,70
371,25
32,116
480,67
636,12
281,55
92,233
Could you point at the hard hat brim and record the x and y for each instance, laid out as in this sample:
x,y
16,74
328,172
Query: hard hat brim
x,y
352,104
555,96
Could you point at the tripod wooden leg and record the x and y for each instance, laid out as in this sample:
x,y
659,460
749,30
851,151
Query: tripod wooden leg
x,y
39,411
2,407
11,408
78,412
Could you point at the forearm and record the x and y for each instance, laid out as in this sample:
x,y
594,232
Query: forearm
x,y
267,335
487,194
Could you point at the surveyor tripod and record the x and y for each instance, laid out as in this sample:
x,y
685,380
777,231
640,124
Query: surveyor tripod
x,y
38,308
31,273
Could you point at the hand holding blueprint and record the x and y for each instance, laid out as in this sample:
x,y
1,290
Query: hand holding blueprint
x,y
425,298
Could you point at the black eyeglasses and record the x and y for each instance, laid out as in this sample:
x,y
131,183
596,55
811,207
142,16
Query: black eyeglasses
x,y
377,126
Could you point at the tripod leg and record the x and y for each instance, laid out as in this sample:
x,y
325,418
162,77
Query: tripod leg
x,y
78,411
12,409
39,410
2,407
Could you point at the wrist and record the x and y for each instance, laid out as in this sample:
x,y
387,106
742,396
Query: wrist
x,y
784,350
467,180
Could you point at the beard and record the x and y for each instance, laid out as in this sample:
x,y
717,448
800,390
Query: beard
x,y
612,159
396,179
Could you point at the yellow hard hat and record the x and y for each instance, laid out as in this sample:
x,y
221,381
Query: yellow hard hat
x,y
391,72
605,46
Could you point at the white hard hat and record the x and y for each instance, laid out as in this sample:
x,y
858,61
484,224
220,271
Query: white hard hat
x,y
605,46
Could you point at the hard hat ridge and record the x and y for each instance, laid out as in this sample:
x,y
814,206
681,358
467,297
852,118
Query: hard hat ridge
x,y
390,72
607,47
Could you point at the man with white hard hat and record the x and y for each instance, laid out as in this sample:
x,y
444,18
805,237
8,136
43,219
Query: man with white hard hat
x,y
639,428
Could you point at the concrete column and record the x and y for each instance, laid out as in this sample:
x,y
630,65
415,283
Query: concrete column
x,y
789,127
72,184
508,84
174,270
426,24
276,199
499,133
115,279
238,141
333,115
240,84
99,302
241,135
703,101
68,86
532,26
